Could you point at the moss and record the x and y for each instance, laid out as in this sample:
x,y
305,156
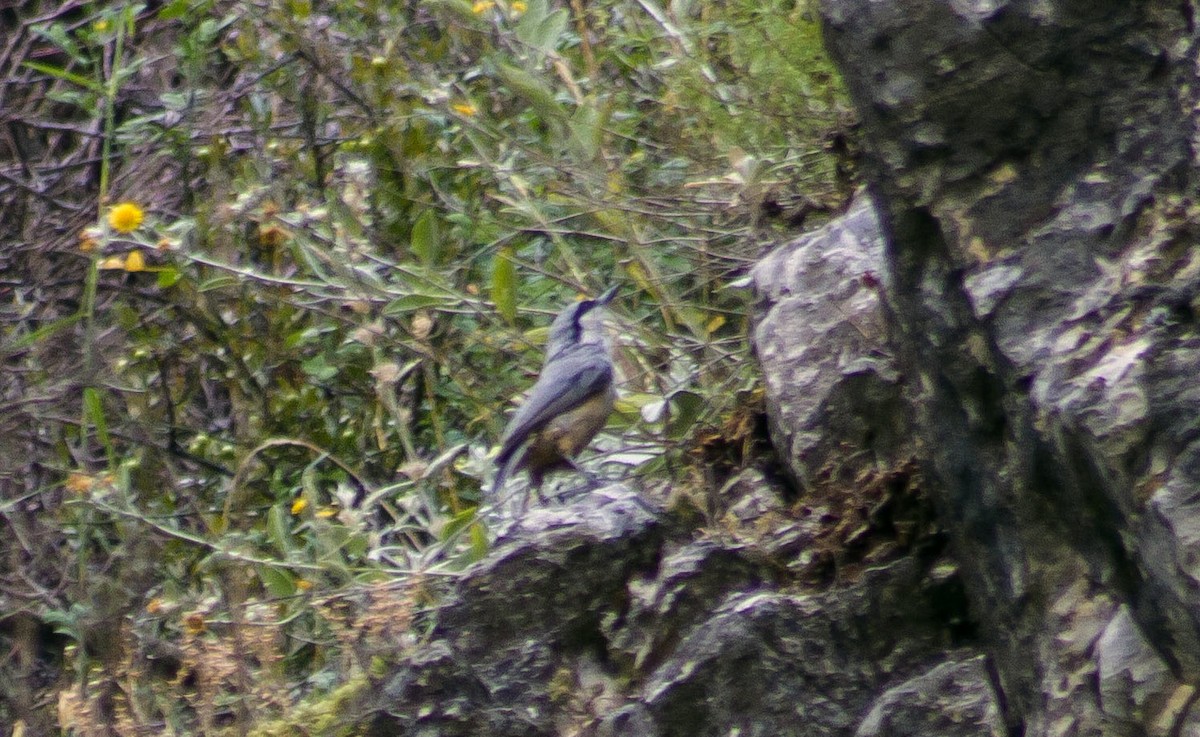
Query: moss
x,y
330,715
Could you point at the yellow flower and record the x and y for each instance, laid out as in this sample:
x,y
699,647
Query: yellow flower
x,y
465,108
327,512
80,483
100,26
482,6
125,217
304,584
112,262
518,7
299,505
135,262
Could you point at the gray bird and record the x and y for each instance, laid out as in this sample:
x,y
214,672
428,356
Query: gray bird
x,y
569,403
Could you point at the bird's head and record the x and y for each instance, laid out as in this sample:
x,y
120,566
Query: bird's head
x,y
580,323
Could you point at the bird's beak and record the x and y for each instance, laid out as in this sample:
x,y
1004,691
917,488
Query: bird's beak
x,y
605,298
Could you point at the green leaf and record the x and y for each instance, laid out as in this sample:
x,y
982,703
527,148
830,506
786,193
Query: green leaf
x,y
686,406
63,74
168,276
535,12
93,409
277,581
635,405
175,9
695,319
457,523
82,100
279,528
58,33
357,546
586,130
537,336
541,29
479,542
126,316
130,15
424,238
219,282
504,285
308,481
45,331
536,92
410,302
68,622
319,368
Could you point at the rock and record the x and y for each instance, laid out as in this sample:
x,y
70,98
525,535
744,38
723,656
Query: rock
x,y
1133,678
553,571
1034,165
596,618
633,720
834,393
522,625
841,415
954,699
690,582
758,517
770,663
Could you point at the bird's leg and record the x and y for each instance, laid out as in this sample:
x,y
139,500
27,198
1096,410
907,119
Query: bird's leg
x,y
592,479
535,481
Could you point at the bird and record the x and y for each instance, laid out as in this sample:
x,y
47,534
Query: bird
x,y
570,401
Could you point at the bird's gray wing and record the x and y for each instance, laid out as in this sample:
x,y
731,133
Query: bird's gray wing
x,y
563,385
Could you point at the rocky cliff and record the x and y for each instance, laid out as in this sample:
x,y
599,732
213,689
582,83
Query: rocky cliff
x,y
1034,170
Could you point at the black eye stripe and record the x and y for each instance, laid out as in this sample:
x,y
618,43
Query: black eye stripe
x,y
581,310
576,326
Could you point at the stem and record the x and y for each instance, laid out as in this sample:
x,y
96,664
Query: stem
x,y
110,78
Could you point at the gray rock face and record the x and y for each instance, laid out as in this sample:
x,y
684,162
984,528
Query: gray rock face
x,y
841,414
597,618
1034,163
690,582
515,647
771,663
834,396
1132,676
951,699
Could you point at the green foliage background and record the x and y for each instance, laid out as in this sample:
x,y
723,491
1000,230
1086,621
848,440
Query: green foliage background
x,y
360,217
